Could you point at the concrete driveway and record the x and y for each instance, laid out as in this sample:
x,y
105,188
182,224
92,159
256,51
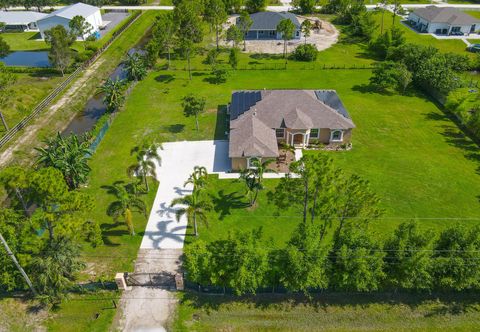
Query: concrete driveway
x,y
178,160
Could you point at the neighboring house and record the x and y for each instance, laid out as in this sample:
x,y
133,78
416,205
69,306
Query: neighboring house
x,y
260,120
20,20
443,21
265,24
64,16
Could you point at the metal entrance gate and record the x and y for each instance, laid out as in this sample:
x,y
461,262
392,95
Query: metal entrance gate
x,y
161,279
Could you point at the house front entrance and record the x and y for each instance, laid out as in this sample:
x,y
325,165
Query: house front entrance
x,y
298,139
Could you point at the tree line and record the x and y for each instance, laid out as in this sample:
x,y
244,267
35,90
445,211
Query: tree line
x,y
334,247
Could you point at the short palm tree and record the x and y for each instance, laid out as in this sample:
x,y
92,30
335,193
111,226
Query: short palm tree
x,y
194,206
135,67
198,178
128,201
260,167
114,91
144,165
252,184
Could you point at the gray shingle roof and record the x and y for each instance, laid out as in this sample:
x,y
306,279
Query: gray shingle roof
x,y
448,15
270,20
77,9
20,17
250,137
255,114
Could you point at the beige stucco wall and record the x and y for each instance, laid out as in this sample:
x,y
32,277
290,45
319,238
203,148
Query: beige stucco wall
x,y
324,135
239,163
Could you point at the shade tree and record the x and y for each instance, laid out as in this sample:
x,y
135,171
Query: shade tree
x,y
286,28
59,40
216,15
193,106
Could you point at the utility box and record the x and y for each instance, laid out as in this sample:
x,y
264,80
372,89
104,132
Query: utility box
x,y
121,281
179,281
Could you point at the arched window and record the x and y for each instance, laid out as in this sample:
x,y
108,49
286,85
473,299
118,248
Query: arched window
x,y
336,136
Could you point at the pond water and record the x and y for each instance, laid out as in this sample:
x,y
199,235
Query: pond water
x,y
26,59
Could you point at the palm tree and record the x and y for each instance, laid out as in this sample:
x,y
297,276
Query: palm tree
x,y
260,167
69,156
145,166
306,29
252,185
127,202
194,207
135,67
198,178
114,93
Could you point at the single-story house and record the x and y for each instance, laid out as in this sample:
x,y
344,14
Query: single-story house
x,y
64,15
20,20
261,119
443,21
264,25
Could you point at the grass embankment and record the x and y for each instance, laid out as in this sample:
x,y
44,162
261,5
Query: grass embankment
x,y
329,312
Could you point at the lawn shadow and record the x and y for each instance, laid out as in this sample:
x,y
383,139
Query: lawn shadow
x,y
368,88
165,78
35,36
457,135
446,303
175,128
223,203
221,124
110,230
265,56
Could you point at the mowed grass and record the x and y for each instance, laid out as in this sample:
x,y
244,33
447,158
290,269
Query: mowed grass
x,y
416,159
328,312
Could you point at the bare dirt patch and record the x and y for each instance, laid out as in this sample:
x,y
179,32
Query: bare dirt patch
x,y
323,38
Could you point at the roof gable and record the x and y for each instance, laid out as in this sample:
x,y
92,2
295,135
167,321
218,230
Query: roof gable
x,y
78,9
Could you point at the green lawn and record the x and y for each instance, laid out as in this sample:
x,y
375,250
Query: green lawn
x,y
417,160
29,90
328,312
30,41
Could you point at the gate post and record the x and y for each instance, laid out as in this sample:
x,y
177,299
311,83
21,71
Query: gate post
x,y
179,281
121,282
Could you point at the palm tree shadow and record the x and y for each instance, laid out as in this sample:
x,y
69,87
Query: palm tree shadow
x,y
110,230
224,203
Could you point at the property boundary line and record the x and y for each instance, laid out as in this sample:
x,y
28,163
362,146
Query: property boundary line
x,y
61,87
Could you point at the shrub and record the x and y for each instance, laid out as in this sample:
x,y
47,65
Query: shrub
x,y
305,52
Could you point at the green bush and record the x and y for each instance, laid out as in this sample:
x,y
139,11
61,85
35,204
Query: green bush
x,y
305,52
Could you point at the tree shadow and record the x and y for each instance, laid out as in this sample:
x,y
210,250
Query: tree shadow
x,y
457,135
265,56
445,303
175,128
368,88
224,203
165,78
221,123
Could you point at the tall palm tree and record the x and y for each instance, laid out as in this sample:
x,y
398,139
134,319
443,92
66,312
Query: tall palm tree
x,y
135,67
198,178
145,157
114,91
194,206
128,201
69,155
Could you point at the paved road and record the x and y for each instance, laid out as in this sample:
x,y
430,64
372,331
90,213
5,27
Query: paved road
x,y
284,7
178,161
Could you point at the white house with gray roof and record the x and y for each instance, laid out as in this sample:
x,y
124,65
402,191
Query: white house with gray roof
x,y
264,25
64,15
261,119
443,21
20,20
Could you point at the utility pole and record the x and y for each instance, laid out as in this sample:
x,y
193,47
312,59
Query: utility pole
x,y
14,259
